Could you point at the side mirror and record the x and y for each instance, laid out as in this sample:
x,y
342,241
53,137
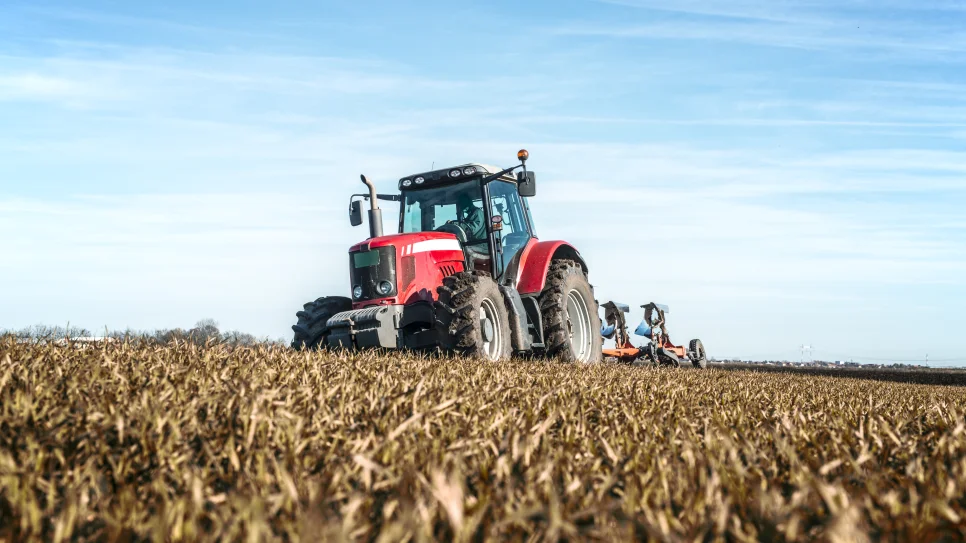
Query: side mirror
x,y
527,183
355,213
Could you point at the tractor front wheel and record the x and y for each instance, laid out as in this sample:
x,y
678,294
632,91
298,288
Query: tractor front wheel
x,y
312,326
571,325
471,317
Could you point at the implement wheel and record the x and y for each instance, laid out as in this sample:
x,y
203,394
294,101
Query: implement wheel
x,y
699,358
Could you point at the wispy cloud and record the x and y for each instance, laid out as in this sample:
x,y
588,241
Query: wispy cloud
x,y
855,28
899,43
742,9
789,11
101,18
157,75
29,86
749,121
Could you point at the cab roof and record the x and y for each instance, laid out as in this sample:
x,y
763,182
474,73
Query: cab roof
x,y
445,176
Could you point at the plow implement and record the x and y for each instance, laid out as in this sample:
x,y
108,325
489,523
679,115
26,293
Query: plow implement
x,y
660,351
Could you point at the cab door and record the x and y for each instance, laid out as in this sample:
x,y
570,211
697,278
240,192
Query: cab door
x,y
505,201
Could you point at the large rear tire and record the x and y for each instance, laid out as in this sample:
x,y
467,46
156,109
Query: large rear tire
x,y
471,317
699,358
571,324
311,329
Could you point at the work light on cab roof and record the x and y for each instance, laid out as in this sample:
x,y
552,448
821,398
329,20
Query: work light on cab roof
x,y
447,175
465,272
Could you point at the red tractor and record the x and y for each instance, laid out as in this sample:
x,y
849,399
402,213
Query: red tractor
x,y
466,273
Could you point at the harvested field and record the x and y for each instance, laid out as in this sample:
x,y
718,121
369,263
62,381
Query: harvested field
x,y
184,443
931,376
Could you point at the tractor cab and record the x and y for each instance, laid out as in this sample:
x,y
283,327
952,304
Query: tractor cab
x,y
484,207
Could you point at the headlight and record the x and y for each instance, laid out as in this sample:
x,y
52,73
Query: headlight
x,y
406,182
454,173
384,287
469,171
357,292
418,180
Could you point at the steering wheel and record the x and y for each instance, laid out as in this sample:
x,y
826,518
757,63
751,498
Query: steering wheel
x,y
455,229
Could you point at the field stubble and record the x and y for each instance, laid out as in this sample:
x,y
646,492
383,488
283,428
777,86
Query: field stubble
x,y
140,441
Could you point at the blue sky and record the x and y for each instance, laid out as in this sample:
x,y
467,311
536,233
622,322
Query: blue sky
x,y
778,173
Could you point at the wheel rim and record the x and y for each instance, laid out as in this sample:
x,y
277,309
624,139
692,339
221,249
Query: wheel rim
x,y
490,321
578,322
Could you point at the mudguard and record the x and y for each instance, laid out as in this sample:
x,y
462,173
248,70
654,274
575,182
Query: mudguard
x,y
536,260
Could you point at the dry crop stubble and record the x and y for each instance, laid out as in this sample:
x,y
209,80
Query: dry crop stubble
x,y
186,443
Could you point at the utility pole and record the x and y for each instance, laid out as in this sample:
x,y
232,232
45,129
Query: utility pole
x,y
805,349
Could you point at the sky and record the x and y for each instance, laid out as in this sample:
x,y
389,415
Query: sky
x,y
779,173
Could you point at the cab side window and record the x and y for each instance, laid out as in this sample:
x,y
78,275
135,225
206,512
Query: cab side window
x,y
505,201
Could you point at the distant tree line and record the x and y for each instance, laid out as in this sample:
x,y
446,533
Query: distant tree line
x,y
204,331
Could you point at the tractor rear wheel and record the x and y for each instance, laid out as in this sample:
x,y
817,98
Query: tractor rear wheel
x,y
471,317
312,329
571,325
699,357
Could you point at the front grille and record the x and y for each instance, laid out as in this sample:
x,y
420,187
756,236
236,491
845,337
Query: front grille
x,y
408,274
368,268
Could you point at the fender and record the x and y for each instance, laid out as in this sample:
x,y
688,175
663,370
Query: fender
x,y
519,329
536,259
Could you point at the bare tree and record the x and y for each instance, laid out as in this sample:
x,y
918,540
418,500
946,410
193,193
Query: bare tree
x,y
204,330
42,332
236,338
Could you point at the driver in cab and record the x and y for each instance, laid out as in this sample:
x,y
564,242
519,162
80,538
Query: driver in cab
x,y
471,219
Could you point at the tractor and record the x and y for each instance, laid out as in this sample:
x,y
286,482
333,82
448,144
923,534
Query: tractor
x,y
465,273
660,351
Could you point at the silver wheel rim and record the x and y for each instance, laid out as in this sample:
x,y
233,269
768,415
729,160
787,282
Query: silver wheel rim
x,y
578,323
488,314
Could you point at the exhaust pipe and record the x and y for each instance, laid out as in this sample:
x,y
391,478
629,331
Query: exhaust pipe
x,y
375,214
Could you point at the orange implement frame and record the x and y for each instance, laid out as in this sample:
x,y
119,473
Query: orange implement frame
x,y
624,353
629,353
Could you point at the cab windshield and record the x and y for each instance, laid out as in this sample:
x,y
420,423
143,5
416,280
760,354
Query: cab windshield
x,y
430,209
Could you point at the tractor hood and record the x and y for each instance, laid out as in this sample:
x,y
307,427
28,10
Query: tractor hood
x,y
413,264
415,242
